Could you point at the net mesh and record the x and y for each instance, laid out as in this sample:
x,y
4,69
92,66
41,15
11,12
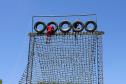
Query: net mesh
x,y
64,59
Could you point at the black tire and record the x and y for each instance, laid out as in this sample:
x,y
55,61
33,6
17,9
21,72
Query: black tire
x,y
36,27
61,25
90,22
54,23
75,24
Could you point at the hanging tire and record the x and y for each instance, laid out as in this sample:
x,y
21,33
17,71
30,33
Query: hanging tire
x,y
75,28
94,26
67,29
36,27
55,24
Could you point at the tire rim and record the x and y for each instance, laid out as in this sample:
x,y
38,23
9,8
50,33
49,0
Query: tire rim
x,y
75,26
90,29
65,23
55,25
39,30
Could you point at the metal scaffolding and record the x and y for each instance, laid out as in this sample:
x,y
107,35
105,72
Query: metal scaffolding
x,y
70,58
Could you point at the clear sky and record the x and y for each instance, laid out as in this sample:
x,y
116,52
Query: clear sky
x,y
15,23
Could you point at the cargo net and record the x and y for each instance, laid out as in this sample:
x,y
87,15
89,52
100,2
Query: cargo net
x,y
65,59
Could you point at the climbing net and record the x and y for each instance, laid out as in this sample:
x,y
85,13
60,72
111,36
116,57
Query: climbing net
x,y
70,58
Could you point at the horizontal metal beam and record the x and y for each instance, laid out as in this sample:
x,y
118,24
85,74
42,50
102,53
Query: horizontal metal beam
x,y
67,15
69,33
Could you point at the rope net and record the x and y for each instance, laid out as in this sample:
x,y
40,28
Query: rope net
x,y
64,59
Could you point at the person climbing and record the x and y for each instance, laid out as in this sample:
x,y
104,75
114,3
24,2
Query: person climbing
x,y
50,31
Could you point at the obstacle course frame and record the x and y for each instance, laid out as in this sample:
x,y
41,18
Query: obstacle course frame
x,y
67,58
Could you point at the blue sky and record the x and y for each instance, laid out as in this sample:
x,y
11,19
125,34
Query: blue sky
x,y
15,23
